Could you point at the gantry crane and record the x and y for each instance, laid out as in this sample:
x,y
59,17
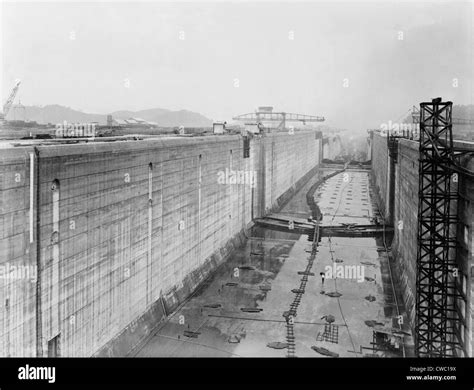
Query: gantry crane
x,y
266,114
9,102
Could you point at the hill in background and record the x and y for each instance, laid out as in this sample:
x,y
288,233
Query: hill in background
x,y
56,114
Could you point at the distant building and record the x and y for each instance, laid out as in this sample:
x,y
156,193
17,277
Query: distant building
x,y
130,122
218,127
139,120
254,128
119,122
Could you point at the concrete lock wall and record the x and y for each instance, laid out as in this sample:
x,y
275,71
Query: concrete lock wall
x,y
405,244
405,220
465,250
125,231
332,147
380,172
17,255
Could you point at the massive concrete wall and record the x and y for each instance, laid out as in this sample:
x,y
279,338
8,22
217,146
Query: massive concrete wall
x,y
17,256
380,172
125,231
404,245
465,250
332,147
286,163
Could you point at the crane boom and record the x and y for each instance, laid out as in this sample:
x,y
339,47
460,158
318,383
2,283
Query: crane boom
x,y
9,102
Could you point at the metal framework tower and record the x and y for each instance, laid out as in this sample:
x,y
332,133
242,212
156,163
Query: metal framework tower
x,y
436,316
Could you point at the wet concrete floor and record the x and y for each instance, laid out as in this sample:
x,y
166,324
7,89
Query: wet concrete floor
x,y
239,310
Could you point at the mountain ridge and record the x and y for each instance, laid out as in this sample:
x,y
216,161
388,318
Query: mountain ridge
x,y
55,113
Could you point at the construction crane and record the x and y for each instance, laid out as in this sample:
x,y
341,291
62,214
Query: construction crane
x,y
9,102
266,114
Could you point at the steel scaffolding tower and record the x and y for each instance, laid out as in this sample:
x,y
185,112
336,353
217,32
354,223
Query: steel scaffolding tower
x,y
435,333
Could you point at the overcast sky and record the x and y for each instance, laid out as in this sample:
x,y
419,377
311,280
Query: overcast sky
x,y
236,56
